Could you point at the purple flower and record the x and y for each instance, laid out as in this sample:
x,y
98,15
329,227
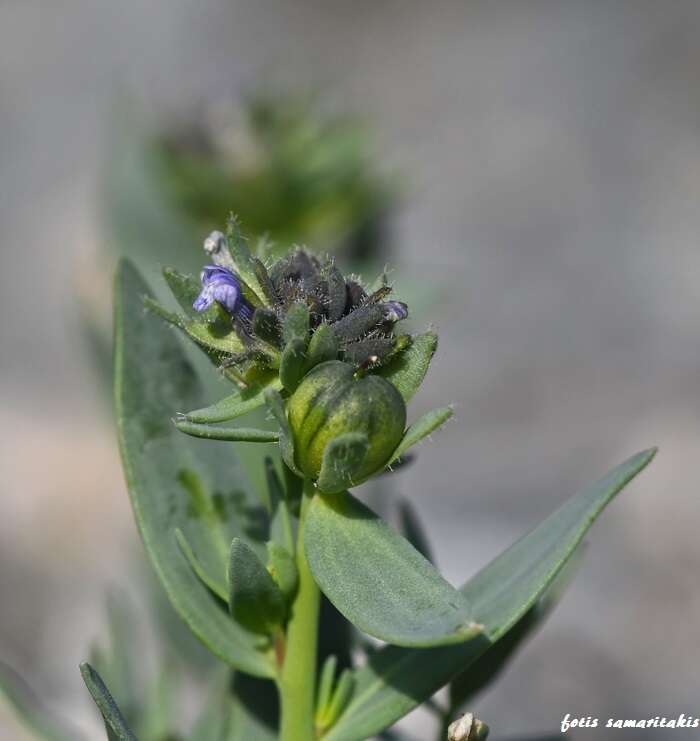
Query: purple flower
x,y
395,311
222,285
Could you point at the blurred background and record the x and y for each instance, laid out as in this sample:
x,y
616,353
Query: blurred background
x,y
531,170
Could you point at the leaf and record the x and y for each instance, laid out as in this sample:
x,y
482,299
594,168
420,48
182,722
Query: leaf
x,y
323,345
213,336
281,531
175,481
114,721
378,580
255,600
292,364
520,574
342,459
244,264
212,580
31,711
421,428
296,323
275,404
408,369
493,661
282,568
233,406
184,288
412,529
230,434
395,680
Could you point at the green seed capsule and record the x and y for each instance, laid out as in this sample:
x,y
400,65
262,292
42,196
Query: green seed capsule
x,y
330,401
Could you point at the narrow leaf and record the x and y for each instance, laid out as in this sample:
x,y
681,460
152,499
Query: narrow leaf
x,y
281,531
274,402
296,323
292,363
212,580
342,459
421,428
230,434
283,569
407,370
396,680
175,481
255,600
114,721
323,346
325,687
233,406
378,580
244,264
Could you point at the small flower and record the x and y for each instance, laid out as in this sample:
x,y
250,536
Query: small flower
x,y
395,311
222,285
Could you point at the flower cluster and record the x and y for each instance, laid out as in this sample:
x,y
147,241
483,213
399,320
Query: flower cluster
x,y
363,322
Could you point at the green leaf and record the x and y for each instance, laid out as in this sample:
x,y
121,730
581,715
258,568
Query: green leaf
x,y
342,459
395,680
282,568
421,428
412,529
281,530
275,404
175,481
323,346
292,363
31,711
230,434
212,580
185,289
233,406
115,724
244,264
378,581
255,599
296,323
493,661
325,687
408,369
215,337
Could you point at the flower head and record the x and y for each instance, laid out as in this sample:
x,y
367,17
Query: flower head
x,y
222,285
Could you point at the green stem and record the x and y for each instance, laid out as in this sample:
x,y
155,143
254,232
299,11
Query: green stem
x,y
297,683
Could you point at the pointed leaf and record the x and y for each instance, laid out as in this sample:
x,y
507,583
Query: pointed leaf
x,y
378,580
408,369
396,680
114,721
233,406
230,434
282,568
212,580
175,481
323,346
255,599
296,323
421,428
281,530
292,364
185,289
342,459
275,404
245,264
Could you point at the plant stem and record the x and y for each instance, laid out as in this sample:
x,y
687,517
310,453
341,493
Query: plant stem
x,y
298,679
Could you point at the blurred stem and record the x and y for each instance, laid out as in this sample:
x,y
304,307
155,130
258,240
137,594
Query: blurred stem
x,y
298,681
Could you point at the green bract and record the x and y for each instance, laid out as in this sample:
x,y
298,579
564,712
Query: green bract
x,y
332,401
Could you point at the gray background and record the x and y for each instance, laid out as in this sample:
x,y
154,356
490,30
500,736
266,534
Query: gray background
x,y
552,157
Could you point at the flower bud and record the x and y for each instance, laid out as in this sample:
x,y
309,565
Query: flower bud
x,y
332,400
